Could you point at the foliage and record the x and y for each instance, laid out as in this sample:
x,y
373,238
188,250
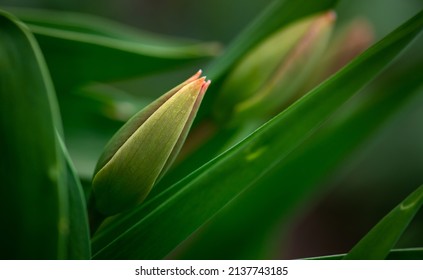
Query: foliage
x,y
239,178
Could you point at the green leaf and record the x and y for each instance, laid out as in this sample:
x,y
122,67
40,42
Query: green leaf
x,y
94,25
395,254
81,49
260,209
34,199
79,243
380,239
160,224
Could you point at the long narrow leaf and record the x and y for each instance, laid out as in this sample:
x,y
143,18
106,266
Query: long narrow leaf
x,y
78,244
76,56
33,197
382,238
94,25
260,209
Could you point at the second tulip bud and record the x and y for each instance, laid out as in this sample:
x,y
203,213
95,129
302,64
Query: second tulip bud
x,y
267,78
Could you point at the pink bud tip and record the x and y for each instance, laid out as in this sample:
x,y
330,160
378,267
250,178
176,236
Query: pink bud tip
x,y
204,87
331,15
195,76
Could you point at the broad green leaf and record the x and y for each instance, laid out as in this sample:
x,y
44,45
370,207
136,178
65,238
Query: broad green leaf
x,y
32,170
187,205
79,243
76,56
260,209
395,254
380,239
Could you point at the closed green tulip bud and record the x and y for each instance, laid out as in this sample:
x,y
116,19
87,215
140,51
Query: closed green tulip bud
x,y
348,42
143,149
266,79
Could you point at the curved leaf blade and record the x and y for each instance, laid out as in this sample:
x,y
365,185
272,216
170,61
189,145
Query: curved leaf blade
x,y
81,52
260,209
79,243
380,239
34,200
94,25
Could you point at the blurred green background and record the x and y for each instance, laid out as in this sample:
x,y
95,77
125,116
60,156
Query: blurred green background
x,y
391,163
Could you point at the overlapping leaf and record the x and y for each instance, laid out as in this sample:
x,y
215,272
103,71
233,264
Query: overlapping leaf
x,y
260,209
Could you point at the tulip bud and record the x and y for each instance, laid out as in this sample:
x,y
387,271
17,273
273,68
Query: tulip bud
x,y
269,75
143,149
348,42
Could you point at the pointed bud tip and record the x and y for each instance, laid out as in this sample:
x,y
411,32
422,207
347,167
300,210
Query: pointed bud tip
x,y
198,74
330,16
195,86
201,79
195,76
204,87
